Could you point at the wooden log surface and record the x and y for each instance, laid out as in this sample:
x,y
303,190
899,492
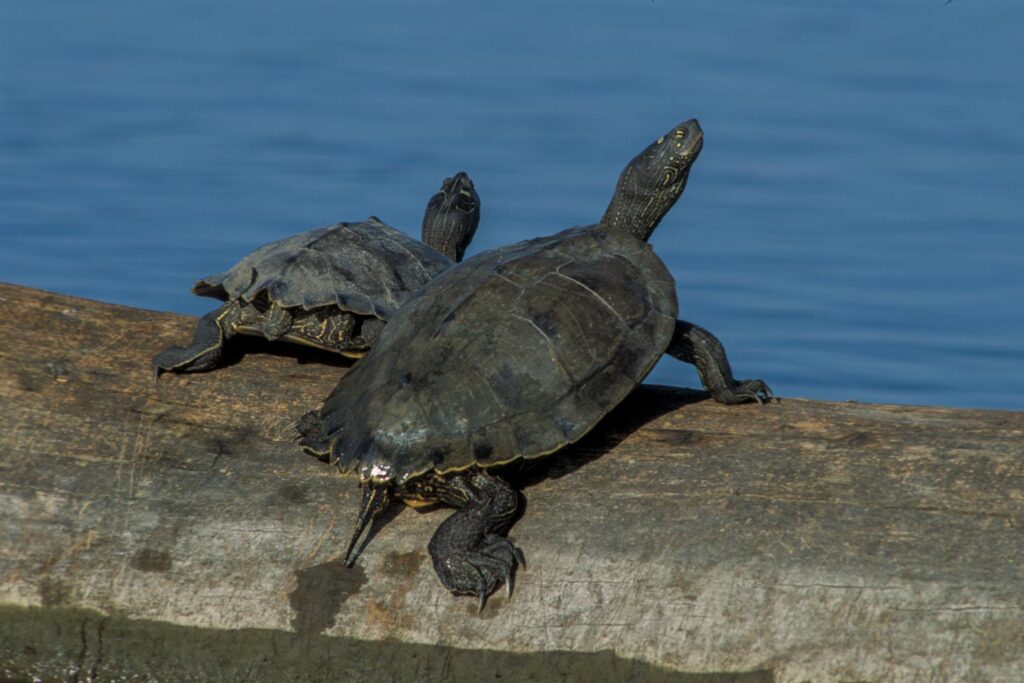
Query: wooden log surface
x,y
174,529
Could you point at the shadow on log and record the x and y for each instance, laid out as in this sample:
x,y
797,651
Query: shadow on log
x,y
173,528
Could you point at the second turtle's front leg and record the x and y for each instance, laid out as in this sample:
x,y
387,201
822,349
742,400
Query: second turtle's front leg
x,y
693,344
470,552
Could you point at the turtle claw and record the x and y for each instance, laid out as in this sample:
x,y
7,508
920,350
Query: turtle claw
x,y
510,578
521,559
757,390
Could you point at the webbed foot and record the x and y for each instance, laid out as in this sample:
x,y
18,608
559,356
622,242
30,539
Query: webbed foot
x,y
478,570
469,552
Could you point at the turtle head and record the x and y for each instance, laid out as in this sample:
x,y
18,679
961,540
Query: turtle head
x,y
452,216
652,182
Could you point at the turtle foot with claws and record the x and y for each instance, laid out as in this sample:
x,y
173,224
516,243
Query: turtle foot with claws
x,y
469,552
695,345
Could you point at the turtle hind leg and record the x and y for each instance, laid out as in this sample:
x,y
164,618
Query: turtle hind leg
x,y
207,347
312,437
369,333
470,552
693,344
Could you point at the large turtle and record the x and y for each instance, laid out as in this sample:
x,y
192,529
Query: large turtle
x,y
514,354
331,288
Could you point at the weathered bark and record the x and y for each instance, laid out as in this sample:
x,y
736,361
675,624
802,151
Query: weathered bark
x,y
173,528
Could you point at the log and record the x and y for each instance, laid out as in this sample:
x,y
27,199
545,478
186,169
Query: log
x,y
172,530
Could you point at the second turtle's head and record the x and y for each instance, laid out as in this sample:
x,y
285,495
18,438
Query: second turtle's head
x,y
452,216
652,182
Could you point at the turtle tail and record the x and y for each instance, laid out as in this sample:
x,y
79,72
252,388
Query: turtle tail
x,y
376,497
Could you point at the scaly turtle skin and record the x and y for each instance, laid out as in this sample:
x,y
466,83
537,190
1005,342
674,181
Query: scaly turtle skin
x,y
511,355
331,288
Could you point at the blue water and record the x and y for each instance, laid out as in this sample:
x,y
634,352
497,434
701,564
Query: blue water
x,y
853,230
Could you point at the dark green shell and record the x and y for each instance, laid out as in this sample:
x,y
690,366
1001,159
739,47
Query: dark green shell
x,y
367,268
511,354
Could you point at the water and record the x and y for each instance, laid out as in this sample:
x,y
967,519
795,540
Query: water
x,y
853,229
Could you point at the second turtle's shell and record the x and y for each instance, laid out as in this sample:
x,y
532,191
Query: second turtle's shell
x,y
368,268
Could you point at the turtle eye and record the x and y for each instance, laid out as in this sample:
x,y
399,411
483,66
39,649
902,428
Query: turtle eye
x,y
681,134
466,204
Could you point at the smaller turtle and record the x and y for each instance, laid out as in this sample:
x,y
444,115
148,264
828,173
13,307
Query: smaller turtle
x,y
331,288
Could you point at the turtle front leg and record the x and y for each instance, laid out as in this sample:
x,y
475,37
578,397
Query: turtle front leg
x,y
695,345
470,552
206,349
276,322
